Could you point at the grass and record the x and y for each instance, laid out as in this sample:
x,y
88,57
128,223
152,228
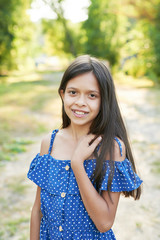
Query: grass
x,y
15,221
11,147
12,226
3,203
24,109
17,186
14,209
138,225
156,166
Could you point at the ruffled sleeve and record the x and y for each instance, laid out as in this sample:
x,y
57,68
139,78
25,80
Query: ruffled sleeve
x,y
124,178
36,171
52,175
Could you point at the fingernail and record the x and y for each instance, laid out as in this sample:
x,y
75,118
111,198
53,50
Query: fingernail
x,y
99,138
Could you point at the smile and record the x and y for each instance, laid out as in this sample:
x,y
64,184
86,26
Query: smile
x,y
78,113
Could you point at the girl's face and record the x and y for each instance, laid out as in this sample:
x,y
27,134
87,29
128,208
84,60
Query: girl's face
x,y
82,99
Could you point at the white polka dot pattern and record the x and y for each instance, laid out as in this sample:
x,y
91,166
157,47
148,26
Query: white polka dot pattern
x,y
125,179
64,214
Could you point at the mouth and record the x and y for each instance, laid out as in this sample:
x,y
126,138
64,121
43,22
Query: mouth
x,y
79,113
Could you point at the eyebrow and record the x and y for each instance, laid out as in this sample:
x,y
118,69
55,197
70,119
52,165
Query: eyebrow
x,y
87,91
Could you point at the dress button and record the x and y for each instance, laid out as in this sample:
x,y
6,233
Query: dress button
x,y
63,194
67,167
60,228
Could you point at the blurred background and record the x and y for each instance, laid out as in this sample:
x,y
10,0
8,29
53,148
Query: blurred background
x,y
38,39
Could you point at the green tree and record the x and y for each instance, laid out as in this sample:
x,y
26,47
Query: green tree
x,y
66,35
55,38
16,33
142,37
101,30
154,34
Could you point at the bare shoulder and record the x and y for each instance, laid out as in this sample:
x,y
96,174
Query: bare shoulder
x,y
45,144
117,152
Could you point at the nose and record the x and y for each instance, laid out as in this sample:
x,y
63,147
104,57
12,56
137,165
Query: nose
x,y
80,101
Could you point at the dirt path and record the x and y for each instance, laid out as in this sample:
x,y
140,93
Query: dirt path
x,y
141,220
135,220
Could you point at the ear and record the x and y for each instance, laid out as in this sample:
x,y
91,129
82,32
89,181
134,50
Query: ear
x,y
62,93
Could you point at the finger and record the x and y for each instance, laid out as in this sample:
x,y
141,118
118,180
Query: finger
x,y
91,139
95,142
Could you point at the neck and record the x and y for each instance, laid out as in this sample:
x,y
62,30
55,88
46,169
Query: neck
x,y
78,131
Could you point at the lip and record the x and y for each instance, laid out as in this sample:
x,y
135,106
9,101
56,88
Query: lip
x,y
79,113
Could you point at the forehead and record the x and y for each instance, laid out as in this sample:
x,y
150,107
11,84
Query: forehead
x,y
85,81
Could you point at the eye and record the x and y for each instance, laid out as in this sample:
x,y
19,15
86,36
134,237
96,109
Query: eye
x,y
72,92
92,95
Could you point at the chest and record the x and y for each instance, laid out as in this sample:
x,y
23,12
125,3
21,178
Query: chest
x,y
63,149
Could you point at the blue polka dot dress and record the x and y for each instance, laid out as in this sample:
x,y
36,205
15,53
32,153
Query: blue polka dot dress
x,y
64,214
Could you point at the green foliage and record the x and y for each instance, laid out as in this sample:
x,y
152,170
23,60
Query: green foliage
x,y
141,51
16,33
63,31
56,42
126,33
6,35
154,34
54,36
101,28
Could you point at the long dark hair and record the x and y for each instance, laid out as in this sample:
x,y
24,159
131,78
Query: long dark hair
x,y
108,122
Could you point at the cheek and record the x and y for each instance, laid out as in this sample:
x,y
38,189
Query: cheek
x,y
67,102
97,106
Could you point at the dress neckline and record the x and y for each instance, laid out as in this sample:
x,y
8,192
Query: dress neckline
x,y
69,161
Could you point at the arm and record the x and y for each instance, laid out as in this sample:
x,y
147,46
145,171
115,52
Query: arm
x,y
35,217
36,214
99,207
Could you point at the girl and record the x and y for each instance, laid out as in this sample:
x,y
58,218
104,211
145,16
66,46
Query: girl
x,y
84,167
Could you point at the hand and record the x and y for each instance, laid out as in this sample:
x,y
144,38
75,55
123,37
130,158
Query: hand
x,y
85,147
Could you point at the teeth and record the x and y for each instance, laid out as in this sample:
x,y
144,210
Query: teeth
x,y
79,113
